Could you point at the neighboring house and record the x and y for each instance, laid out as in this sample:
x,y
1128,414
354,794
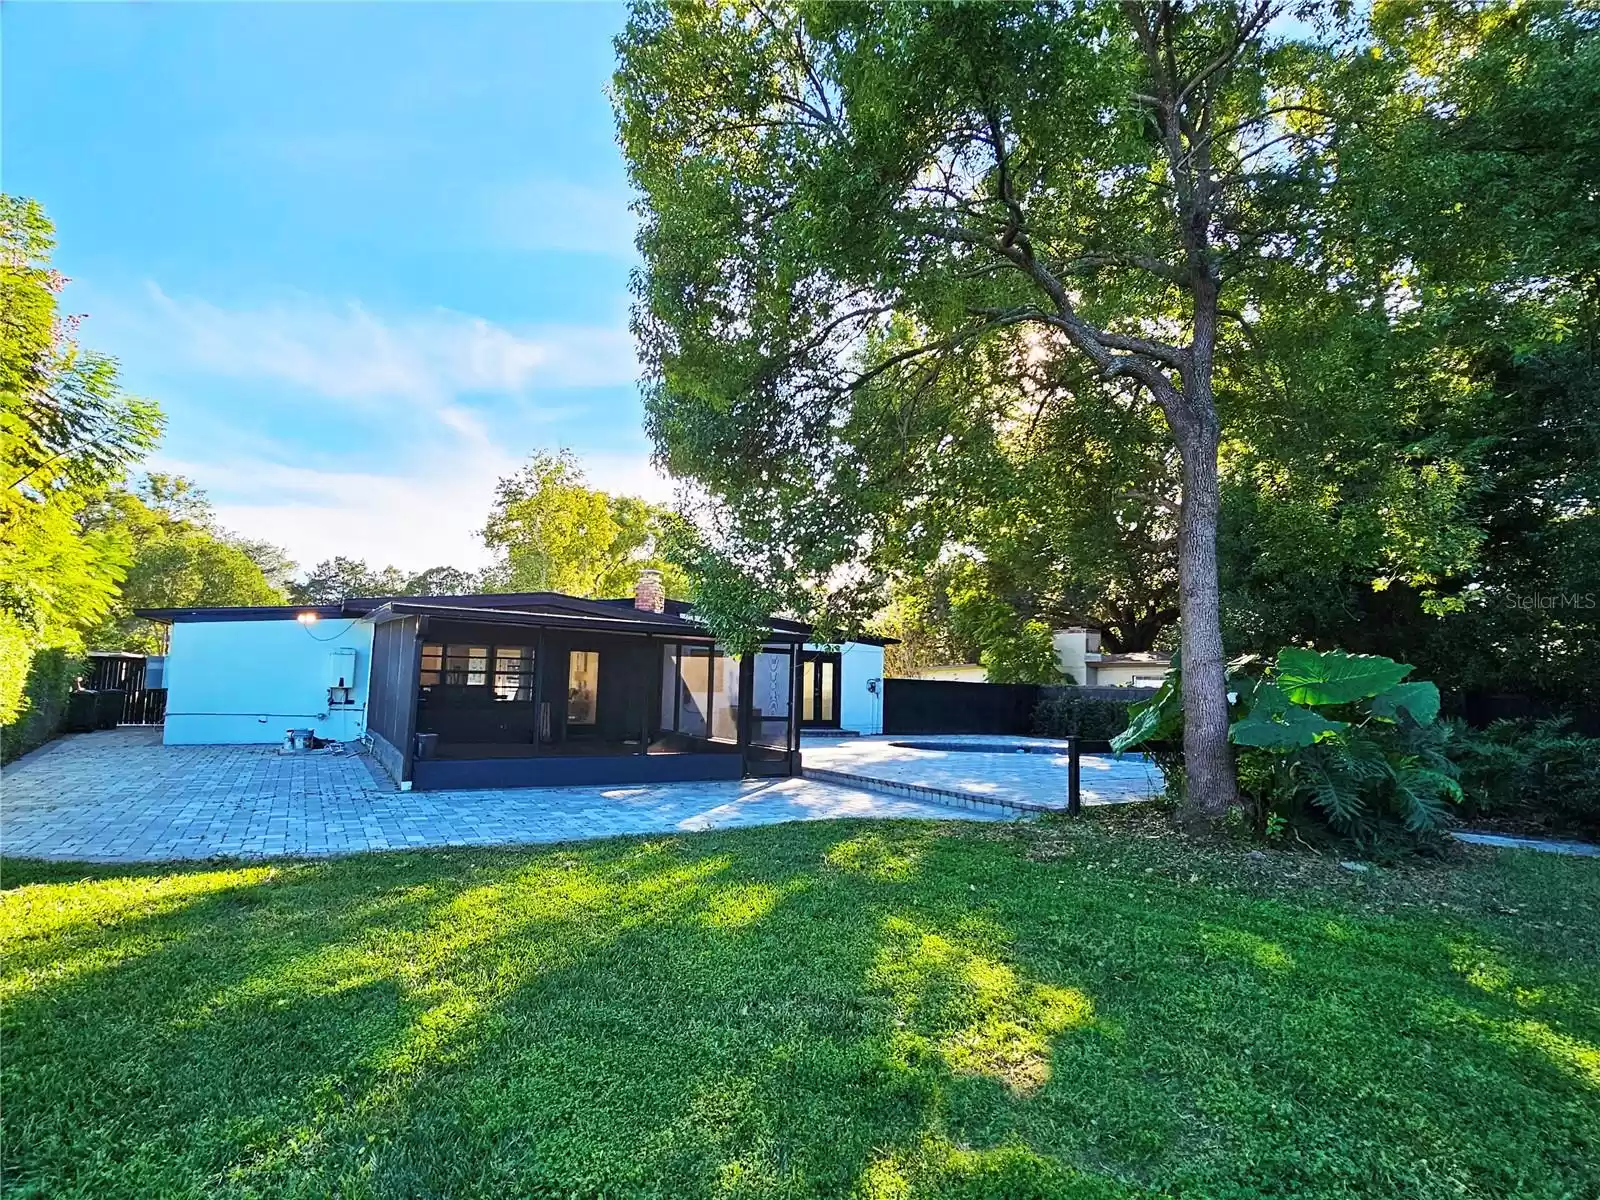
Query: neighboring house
x,y
514,690
1080,659
1078,654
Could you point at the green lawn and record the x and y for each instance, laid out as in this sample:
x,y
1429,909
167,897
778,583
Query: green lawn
x,y
886,1010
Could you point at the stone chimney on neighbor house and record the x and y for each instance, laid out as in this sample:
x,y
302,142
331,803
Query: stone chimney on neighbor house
x,y
648,594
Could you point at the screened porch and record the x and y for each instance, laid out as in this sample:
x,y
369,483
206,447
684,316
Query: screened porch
x,y
501,699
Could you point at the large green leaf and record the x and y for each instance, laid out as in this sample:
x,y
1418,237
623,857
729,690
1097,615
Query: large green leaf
x,y
1277,723
1334,677
1158,718
1419,700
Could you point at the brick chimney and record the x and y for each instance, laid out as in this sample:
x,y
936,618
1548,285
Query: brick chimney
x,y
648,594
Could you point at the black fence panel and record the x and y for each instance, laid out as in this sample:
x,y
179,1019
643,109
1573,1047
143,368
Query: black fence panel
x,y
948,706
124,674
146,706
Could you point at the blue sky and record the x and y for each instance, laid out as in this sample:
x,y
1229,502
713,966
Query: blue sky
x,y
366,256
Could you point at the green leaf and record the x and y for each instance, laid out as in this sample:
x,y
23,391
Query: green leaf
x,y
1419,700
1334,677
1157,718
1277,723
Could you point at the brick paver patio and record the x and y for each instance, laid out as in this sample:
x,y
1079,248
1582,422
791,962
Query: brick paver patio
x,y
121,795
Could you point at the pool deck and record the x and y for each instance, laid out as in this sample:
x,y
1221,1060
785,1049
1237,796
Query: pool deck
x,y
978,779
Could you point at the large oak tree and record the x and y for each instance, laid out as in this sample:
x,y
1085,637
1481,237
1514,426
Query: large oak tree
x,y
846,207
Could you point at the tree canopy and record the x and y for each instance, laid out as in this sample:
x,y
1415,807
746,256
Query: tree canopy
x,y
553,532
1016,286
177,558
67,431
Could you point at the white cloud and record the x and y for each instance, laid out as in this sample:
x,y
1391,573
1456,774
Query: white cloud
x,y
543,214
412,520
347,352
446,404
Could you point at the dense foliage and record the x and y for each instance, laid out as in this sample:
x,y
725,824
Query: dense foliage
x,y
177,558
1339,741
339,578
555,533
1539,773
1404,360
1067,712
67,432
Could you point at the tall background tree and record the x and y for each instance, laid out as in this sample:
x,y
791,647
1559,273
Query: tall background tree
x,y
67,432
339,578
847,206
177,557
1026,307
552,532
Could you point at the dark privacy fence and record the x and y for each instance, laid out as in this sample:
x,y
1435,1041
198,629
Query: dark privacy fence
x,y
124,674
948,706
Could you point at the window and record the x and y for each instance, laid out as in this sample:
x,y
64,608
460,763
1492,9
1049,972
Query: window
x,y
513,673
583,685
700,692
468,666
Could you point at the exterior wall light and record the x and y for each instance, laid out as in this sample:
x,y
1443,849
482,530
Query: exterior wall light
x,y
306,618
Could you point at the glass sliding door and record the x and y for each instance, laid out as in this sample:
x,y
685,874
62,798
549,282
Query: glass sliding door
x,y
819,689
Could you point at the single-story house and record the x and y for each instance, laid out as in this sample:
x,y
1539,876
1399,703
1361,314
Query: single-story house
x,y
521,689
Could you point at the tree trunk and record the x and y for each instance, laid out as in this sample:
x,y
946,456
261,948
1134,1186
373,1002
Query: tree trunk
x,y
1210,786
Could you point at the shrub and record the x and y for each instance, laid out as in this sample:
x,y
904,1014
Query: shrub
x,y
43,703
1066,712
1534,769
1327,740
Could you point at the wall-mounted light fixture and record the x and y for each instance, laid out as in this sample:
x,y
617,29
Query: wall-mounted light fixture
x,y
306,618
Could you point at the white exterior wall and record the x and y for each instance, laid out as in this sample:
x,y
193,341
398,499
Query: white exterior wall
x,y
238,682
1130,675
860,709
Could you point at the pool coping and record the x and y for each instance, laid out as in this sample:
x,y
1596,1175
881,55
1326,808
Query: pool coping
x,y
937,795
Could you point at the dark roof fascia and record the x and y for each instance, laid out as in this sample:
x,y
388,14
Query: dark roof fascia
x,y
265,612
490,601
655,627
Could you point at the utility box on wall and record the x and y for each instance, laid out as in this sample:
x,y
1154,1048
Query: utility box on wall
x,y
342,667
341,677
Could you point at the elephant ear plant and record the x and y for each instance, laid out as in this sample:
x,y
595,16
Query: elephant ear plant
x,y
1325,738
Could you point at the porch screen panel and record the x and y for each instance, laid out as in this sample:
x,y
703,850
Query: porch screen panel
x,y
772,700
694,689
724,698
669,688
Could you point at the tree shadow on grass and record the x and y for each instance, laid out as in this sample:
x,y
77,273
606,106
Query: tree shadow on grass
x,y
830,1009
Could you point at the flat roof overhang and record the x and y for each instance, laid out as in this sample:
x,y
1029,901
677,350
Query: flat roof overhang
x,y
260,612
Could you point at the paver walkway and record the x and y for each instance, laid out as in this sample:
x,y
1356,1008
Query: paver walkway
x,y
1546,845
1006,777
121,795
